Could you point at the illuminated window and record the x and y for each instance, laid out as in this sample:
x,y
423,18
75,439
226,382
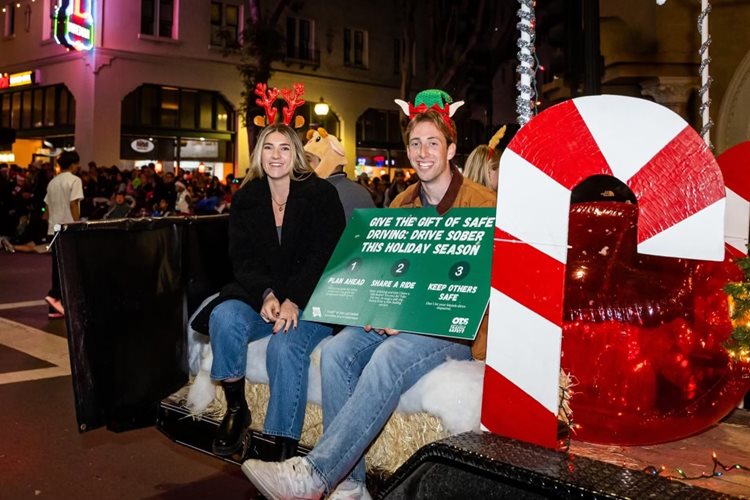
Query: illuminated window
x,y
5,110
52,106
355,48
177,108
225,24
300,39
399,50
48,31
158,18
9,29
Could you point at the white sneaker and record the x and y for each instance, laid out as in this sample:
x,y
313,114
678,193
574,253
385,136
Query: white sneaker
x,y
292,479
350,490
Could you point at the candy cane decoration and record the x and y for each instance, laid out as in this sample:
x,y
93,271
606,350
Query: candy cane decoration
x,y
681,201
735,167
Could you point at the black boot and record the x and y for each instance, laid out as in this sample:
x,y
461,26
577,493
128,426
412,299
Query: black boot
x,y
286,448
228,438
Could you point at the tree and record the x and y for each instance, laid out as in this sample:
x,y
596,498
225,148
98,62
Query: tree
x,y
465,44
262,44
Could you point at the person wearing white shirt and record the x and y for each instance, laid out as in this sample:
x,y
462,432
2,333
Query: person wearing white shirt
x,y
63,199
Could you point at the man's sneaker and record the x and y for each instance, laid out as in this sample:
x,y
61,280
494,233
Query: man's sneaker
x,y
291,479
350,490
55,304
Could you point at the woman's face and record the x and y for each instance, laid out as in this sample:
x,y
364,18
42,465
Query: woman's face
x,y
494,171
276,156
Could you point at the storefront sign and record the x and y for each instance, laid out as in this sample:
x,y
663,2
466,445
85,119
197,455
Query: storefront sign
x,y
74,24
192,148
16,79
142,145
411,270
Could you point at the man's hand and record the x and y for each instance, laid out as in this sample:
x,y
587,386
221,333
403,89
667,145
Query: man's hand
x,y
288,317
382,331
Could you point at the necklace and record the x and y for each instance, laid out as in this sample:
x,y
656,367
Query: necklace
x,y
280,205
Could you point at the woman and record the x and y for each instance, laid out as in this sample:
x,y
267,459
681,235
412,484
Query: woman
x,y
284,224
482,166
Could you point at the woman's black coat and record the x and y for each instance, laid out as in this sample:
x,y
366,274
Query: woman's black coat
x,y
313,222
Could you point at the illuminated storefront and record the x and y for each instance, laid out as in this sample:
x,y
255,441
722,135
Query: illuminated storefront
x,y
178,128
380,146
35,114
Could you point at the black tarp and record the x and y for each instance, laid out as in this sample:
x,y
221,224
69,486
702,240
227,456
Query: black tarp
x,y
129,287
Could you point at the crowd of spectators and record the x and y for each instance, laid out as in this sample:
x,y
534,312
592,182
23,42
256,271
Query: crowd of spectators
x,y
383,189
109,193
112,193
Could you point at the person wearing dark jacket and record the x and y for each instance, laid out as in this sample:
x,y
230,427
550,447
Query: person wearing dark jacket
x,y
283,226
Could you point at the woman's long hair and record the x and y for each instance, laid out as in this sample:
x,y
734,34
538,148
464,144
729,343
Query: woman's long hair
x,y
480,162
300,168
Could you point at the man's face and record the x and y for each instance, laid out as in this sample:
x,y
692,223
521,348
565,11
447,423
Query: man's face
x,y
312,159
429,152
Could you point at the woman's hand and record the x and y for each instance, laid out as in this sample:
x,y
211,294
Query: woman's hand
x,y
288,317
270,309
382,331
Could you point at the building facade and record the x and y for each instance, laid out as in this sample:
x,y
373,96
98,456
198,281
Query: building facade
x,y
157,85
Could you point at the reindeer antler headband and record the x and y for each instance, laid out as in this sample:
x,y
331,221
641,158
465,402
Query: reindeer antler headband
x,y
435,99
267,97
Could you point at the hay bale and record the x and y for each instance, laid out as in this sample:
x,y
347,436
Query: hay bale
x,y
402,436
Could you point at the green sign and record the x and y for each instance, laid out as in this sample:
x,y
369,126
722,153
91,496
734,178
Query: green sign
x,y
411,270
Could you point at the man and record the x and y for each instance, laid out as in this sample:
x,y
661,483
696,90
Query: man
x,y
365,370
64,195
398,186
325,154
121,208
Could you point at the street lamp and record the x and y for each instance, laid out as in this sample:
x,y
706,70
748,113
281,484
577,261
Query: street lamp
x,y
321,108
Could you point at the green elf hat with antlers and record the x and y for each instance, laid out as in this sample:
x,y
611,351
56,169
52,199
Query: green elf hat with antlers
x,y
435,99
267,97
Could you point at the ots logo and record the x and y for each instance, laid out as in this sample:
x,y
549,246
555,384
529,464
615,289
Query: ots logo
x,y
458,325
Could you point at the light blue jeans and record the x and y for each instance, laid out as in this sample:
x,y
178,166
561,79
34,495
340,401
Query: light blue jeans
x,y
232,325
363,375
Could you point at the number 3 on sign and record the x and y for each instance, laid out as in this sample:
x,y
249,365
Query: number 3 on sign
x,y
459,271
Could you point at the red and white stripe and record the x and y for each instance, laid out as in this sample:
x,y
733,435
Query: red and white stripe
x,y
681,214
735,167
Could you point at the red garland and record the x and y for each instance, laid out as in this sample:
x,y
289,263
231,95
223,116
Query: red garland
x,y
422,108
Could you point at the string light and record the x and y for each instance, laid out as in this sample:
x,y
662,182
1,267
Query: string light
x,y
526,85
706,80
738,345
718,470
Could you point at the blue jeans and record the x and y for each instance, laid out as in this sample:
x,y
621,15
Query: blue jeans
x,y
233,324
363,376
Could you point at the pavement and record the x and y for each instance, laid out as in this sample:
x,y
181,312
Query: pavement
x,y
42,454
